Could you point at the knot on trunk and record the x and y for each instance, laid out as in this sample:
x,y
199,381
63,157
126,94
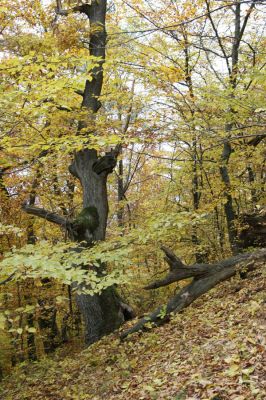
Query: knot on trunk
x,y
85,224
105,164
83,8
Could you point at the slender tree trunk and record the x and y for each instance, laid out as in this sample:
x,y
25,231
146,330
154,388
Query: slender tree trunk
x,y
120,194
227,149
251,179
3,188
196,199
233,72
195,176
228,206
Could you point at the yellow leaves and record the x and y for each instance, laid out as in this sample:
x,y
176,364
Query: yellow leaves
x,y
2,321
20,331
170,73
186,359
236,369
248,371
31,329
3,12
60,262
10,229
233,370
254,306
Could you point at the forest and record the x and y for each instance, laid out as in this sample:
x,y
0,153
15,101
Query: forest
x,y
132,199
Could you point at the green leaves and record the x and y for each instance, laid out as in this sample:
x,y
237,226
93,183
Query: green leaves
x,y
61,262
10,229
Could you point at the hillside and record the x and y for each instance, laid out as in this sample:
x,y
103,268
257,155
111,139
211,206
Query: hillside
x,y
215,349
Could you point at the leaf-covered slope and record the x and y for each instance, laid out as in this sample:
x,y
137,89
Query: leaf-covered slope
x,y
213,350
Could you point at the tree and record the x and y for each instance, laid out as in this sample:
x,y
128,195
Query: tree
x,y
102,312
205,83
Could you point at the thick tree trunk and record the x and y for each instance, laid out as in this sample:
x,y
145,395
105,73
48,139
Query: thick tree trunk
x,y
205,277
102,313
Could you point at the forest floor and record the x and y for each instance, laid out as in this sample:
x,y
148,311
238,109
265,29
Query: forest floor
x,y
215,349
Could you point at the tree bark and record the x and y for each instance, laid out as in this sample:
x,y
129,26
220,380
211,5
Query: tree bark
x,y
101,312
196,195
205,277
228,206
233,73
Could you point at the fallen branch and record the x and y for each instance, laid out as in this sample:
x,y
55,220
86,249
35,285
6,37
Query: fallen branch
x,y
205,277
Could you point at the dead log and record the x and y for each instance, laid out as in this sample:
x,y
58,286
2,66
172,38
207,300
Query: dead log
x,y
205,277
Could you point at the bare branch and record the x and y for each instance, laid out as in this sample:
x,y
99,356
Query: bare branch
x,y
59,10
8,279
218,36
79,92
49,216
178,271
172,260
107,162
246,21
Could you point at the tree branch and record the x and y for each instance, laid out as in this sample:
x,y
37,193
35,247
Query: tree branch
x,y
107,162
242,31
83,8
179,271
256,140
218,36
49,216
8,279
